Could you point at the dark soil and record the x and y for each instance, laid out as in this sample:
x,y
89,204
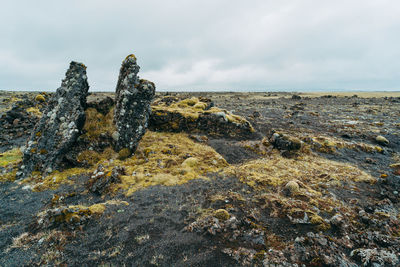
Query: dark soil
x,y
175,225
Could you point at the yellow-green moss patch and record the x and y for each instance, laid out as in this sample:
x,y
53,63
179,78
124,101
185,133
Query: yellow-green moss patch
x,y
10,160
54,179
10,157
192,108
310,170
40,98
222,214
161,158
97,124
35,111
168,159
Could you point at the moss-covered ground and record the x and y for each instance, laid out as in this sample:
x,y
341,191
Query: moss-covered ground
x,y
180,203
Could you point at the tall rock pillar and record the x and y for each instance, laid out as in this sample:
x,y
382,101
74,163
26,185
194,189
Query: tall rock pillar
x,y
132,107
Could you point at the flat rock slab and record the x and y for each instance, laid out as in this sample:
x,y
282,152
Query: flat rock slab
x,y
60,124
132,106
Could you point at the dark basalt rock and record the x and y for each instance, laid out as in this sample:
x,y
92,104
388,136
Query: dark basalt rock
x,y
285,143
103,105
132,106
60,124
212,124
203,120
102,179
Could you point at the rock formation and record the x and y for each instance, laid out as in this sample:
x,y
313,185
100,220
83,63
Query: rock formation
x,y
60,124
132,106
194,115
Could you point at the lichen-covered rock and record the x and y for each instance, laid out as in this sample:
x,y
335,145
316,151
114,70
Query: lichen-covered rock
x,y
132,106
194,115
63,216
60,124
102,179
375,257
285,143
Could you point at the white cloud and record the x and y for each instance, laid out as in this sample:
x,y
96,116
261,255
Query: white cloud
x,y
208,45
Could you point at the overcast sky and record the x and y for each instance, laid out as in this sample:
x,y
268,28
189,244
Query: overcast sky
x,y
204,45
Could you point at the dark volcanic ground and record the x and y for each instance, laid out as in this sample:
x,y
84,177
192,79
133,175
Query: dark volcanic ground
x,y
180,225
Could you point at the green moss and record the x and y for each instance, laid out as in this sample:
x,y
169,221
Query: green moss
x,y
10,157
97,124
35,111
130,56
40,98
192,109
124,153
321,224
93,157
222,215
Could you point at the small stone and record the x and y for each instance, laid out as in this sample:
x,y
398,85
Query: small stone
x,y
381,140
337,220
292,187
221,215
284,142
296,97
115,136
124,153
102,179
370,161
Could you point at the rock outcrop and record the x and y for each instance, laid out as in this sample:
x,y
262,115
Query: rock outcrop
x,y
132,106
194,115
285,142
60,124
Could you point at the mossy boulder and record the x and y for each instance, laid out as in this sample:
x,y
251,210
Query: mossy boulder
x,y
288,145
194,115
291,188
222,214
40,98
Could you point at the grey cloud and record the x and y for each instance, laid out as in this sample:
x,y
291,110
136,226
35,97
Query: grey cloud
x,y
204,45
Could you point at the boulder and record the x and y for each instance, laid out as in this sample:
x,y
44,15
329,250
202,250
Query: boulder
x,y
382,140
198,116
132,106
101,179
60,125
285,143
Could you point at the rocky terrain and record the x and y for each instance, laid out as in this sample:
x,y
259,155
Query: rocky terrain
x,y
218,179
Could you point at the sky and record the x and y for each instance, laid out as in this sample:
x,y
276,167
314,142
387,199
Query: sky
x,y
215,45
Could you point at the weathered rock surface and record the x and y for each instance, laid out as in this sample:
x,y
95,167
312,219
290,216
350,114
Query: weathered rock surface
x,y
102,179
132,106
60,124
194,115
285,143
101,105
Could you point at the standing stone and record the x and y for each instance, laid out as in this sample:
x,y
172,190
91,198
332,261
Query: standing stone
x,y
59,126
132,107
